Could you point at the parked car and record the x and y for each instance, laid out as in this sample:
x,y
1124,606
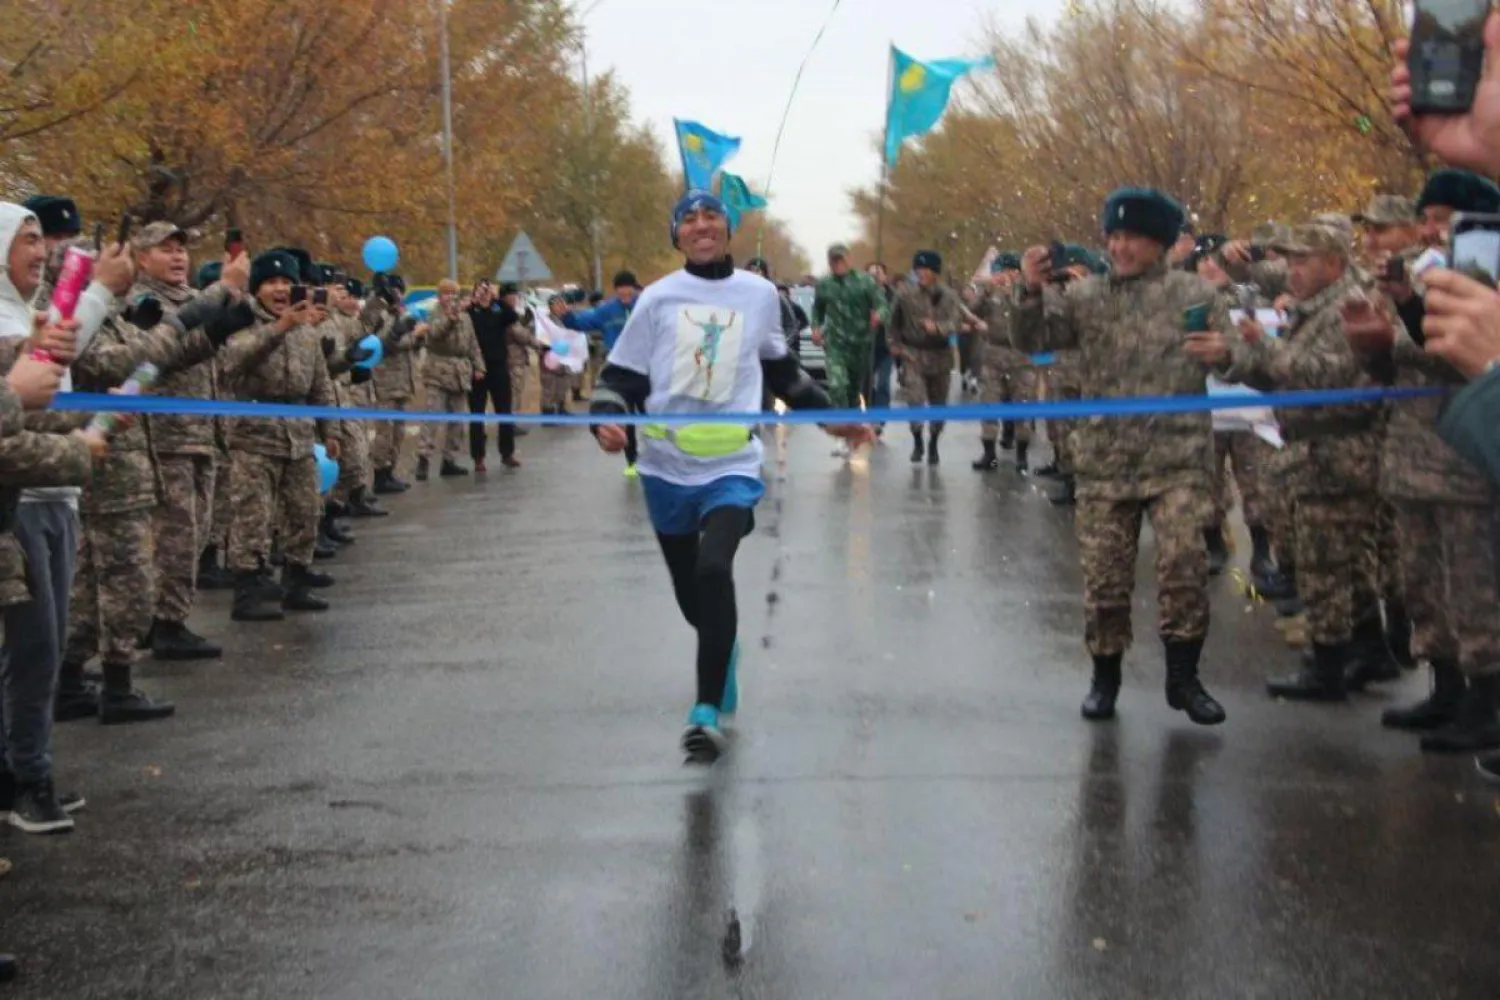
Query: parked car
x,y
814,361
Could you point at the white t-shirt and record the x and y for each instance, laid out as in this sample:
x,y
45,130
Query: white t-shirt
x,y
701,343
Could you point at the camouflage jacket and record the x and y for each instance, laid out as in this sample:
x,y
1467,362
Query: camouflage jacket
x,y
396,375
126,479
997,309
345,332
522,341
1331,450
452,354
263,365
842,307
1417,464
1268,276
908,338
1129,336
173,434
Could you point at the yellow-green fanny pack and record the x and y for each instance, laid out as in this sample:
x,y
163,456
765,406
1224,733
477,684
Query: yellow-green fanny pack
x,y
701,440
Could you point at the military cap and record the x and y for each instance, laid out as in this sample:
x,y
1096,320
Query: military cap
x,y
837,251
1388,210
1145,211
572,296
626,279
274,264
1268,233
1210,243
1006,260
1322,235
154,234
305,271
58,216
209,274
355,287
1461,191
325,274
929,259
511,288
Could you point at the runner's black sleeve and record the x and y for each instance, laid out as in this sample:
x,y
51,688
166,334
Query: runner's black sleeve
x,y
789,383
619,390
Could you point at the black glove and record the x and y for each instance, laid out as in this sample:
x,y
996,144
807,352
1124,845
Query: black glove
x,y
201,312
145,312
229,321
330,347
360,376
404,326
357,353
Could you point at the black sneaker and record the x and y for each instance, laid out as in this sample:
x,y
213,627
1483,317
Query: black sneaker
x,y
125,707
71,802
36,810
8,969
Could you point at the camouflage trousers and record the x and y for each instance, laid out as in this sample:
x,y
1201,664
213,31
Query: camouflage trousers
x,y
113,592
354,457
1060,432
1004,384
218,528
1388,565
390,435
1335,564
925,378
1448,556
518,375
1239,450
555,388
849,372
1279,503
1108,540
273,493
183,526
452,435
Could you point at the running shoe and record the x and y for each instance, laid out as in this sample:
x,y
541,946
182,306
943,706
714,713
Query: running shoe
x,y
703,741
730,703
631,473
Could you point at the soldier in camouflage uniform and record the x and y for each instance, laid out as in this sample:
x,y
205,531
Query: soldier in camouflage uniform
x,y
847,307
1445,508
185,449
1332,460
351,387
1128,327
922,320
278,360
395,378
522,341
1006,375
453,364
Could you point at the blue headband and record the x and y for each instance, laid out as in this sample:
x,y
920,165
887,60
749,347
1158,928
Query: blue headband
x,y
692,202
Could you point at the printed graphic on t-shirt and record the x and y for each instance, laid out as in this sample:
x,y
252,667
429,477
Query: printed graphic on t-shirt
x,y
708,353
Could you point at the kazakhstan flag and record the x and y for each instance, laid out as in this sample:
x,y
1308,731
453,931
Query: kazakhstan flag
x,y
919,95
737,197
704,151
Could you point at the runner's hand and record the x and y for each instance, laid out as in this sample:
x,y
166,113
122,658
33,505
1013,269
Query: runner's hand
x,y
611,438
856,434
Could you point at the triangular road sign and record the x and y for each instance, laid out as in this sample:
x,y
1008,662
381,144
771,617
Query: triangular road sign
x,y
522,263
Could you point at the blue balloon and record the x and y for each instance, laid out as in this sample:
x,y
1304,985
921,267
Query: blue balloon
x,y
371,343
560,348
328,469
381,254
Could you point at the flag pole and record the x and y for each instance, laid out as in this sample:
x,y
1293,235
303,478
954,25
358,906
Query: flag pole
x,y
885,170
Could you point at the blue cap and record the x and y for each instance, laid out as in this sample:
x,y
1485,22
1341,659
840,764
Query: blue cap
x,y
692,202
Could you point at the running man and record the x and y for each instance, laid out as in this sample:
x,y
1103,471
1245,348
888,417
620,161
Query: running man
x,y
702,481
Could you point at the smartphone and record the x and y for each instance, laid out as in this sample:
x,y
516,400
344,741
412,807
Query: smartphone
x,y
234,243
1257,254
320,296
123,235
1195,318
1447,54
299,294
98,238
1474,247
1395,271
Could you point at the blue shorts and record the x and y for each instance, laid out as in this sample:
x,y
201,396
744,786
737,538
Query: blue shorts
x,y
680,510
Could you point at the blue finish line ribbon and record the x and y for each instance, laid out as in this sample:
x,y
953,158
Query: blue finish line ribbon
x,y
1135,406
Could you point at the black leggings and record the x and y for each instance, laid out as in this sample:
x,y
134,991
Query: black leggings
x,y
702,568
494,389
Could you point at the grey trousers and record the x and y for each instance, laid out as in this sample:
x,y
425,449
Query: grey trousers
x,y
34,636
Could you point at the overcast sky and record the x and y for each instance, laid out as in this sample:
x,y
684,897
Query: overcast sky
x,y
730,64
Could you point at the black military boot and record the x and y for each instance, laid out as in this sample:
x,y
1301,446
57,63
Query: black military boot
x,y
386,482
422,469
1185,692
1370,661
76,697
932,445
211,576
271,590
1099,703
121,703
143,641
1022,466
918,449
323,548
335,532
1069,495
1261,563
987,462
316,580
1476,726
1398,636
252,602
299,591
1218,551
1438,709
1048,471
1322,679
1007,434
362,504
175,641
452,468
1276,584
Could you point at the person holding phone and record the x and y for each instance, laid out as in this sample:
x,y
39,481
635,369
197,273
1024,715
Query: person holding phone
x,y
1130,328
401,337
1467,134
454,364
1006,374
278,360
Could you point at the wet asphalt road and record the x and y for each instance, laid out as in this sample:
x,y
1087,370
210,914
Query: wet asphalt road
x,y
463,782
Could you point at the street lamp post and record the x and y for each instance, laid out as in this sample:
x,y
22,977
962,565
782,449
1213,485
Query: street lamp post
x,y
448,142
588,129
